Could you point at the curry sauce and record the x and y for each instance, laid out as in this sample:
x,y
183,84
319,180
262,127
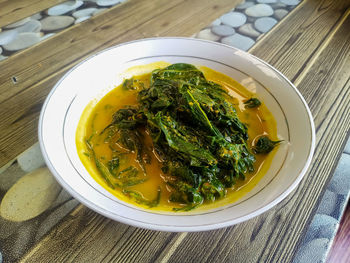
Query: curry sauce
x,y
152,181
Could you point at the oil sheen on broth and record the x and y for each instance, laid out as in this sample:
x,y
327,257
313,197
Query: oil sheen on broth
x,y
98,115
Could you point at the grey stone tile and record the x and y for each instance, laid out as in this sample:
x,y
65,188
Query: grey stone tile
x,y
238,41
313,251
233,19
264,24
223,30
290,2
31,158
259,10
280,13
347,147
322,226
244,5
340,183
328,204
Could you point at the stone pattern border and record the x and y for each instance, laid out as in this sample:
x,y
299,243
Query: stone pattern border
x,y
325,224
38,27
245,24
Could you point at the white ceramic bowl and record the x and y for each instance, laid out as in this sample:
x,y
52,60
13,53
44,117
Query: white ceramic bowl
x,y
98,74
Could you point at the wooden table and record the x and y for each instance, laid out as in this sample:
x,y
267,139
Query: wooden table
x,y
311,46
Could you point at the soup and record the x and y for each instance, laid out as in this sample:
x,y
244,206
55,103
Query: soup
x,y
177,138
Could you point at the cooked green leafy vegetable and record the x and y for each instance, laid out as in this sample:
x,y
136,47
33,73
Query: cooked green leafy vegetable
x,y
138,198
113,165
132,84
196,134
99,165
252,103
110,172
265,145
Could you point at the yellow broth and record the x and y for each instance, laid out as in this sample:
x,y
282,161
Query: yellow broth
x,y
99,115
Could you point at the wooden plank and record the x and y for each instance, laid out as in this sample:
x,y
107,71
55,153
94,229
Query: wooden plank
x,y
170,23
97,34
17,237
281,228
308,27
44,59
20,115
14,10
121,239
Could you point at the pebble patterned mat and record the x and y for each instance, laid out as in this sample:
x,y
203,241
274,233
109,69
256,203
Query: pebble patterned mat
x,y
20,179
247,22
38,27
241,27
324,226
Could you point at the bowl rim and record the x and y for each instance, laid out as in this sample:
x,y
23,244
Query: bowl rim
x,y
196,228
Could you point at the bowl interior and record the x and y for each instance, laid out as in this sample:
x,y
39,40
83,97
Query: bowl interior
x,y
93,78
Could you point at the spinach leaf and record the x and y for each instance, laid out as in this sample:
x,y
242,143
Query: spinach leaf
x,y
185,193
252,103
138,198
133,182
100,166
128,84
178,141
265,145
132,84
113,165
130,172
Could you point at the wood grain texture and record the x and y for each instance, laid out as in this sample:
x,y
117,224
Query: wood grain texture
x,y
44,59
17,237
45,63
114,241
308,26
273,236
14,10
